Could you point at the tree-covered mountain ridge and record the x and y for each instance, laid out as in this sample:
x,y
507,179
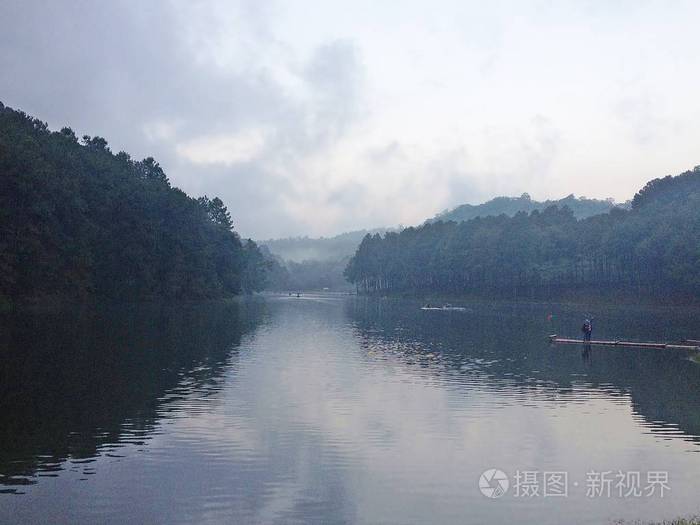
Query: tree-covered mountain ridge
x,y
651,248
582,207
307,263
332,248
77,220
315,263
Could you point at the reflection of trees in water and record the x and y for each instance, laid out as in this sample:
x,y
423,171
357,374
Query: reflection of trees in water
x,y
504,347
74,382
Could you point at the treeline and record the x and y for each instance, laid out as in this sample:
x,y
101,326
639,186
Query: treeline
x,y
300,249
78,220
304,263
652,248
308,275
580,206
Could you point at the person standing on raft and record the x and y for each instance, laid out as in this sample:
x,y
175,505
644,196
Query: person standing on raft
x,y
587,329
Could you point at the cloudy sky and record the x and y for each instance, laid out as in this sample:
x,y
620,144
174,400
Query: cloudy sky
x,y
316,117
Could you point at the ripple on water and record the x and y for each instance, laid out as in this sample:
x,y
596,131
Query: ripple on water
x,y
331,413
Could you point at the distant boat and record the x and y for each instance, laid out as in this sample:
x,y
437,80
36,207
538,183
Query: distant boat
x,y
445,307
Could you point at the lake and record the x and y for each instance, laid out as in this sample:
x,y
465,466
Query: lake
x,y
342,409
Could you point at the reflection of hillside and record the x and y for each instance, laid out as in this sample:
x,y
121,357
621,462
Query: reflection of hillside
x,y
504,349
76,382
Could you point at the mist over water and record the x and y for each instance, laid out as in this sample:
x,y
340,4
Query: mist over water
x,y
334,409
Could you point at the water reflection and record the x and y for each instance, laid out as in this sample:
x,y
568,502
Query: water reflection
x,y
503,346
84,381
586,354
325,409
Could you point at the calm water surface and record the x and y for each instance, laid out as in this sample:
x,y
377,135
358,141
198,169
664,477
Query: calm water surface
x,y
335,409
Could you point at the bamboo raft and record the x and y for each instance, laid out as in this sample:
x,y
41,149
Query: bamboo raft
x,y
663,346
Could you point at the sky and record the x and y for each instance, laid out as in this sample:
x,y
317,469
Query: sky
x,y
317,117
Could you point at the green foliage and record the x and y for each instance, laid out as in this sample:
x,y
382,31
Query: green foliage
x,y
76,219
277,276
216,211
255,268
652,248
581,206
313,264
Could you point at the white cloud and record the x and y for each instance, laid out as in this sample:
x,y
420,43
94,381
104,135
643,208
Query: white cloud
x,y
161,130
227,149
315,117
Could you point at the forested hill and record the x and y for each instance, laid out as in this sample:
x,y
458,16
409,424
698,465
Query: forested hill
x,y
581,206
304,263
315,263
299,249
78,220
652,248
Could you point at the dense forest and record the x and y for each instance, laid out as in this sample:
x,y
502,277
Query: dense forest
x,y
307,275
77,220
581,207
315,263
299,249
651,248
305,263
